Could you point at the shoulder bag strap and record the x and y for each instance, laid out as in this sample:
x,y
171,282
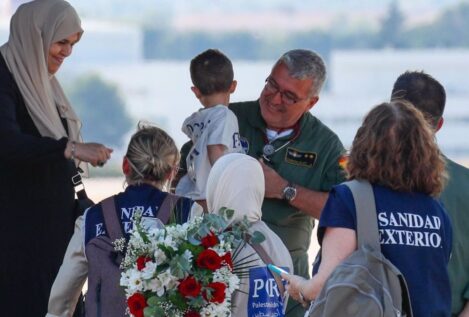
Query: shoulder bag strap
x,y
267,260
365,206
111,221
164,212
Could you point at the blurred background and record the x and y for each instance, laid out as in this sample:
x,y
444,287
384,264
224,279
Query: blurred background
x,y
132,62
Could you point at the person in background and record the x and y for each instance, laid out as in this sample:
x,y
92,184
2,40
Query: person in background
x,y
429,96
394,149
298,153
213,130
259,294
151,161
39,146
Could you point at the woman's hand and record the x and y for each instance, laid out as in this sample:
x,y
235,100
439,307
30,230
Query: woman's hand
x,y
94,153
301,289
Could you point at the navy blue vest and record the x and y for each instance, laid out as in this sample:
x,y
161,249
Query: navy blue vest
x,y
144,198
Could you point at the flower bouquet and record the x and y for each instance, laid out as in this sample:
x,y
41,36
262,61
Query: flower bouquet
x,y
182,270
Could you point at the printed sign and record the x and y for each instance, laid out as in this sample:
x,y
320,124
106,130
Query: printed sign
x,y
264,296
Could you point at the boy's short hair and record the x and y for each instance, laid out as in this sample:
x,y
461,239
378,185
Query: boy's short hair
x,y
211,72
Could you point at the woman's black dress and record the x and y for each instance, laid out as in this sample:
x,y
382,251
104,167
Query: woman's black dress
x,y
36,206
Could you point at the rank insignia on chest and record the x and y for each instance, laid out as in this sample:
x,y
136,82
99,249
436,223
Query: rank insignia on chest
x,y
301,158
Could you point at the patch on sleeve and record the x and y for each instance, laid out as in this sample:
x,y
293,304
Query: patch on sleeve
x,y
343,159
264,296
300,158
244,144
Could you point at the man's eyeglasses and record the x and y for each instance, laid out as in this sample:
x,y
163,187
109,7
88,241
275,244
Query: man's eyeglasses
x,y
287,97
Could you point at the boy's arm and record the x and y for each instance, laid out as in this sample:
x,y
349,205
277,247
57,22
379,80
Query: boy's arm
x,y
215,151
71,276
182,165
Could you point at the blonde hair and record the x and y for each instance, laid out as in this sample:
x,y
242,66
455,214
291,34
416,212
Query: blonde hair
x,y
152,155
395,147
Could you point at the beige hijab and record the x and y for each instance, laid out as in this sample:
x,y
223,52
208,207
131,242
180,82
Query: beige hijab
x,y
34,28
236,181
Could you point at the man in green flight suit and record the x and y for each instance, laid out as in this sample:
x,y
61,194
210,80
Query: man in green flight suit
x,y
429,96
299,154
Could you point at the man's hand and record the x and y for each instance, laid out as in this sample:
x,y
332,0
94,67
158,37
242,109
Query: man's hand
x,y
274,183
308,201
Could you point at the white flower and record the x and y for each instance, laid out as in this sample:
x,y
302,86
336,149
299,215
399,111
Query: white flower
x,y
149,270
218,310
160,256
154,285
188,255
168,280
134,281
233,283
226,276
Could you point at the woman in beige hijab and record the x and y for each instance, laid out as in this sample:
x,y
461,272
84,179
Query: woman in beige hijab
x,y
39,146
236,181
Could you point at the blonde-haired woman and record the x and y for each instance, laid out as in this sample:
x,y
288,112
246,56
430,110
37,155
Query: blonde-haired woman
x,y
395,151
39,142
151,161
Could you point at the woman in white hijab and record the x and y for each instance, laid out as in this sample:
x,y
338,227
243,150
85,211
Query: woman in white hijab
x,y
39,145
236,181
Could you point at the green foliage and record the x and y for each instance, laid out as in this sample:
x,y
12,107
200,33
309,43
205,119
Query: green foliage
x,y
391,27
180,266
101,110
451,29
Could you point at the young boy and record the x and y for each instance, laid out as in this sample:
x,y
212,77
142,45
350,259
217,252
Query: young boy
x,y
213,129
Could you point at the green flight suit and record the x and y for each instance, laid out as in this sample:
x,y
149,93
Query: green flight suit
x,y
456,201
310,160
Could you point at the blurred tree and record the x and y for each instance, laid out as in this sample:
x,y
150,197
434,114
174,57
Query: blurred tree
x,y
451,29
101,110
390,34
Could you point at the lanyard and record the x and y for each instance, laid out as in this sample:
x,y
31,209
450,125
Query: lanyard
x,y
269,149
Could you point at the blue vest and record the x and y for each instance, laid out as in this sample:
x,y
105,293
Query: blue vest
x,y
142,198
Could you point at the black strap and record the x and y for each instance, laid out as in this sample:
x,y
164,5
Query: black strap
x,y
77,182
164,212
267,260
111,221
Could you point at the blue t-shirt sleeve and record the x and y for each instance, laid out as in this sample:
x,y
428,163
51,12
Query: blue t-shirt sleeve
x,y
339,211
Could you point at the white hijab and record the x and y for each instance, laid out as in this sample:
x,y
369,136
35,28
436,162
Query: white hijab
x,y
236,181
34,27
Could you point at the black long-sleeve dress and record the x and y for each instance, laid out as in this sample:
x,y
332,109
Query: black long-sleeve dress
x,y
36,206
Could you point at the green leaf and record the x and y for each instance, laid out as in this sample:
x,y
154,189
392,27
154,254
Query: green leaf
x,y
152,311
153,301
257,237
177,300
179,266
229,213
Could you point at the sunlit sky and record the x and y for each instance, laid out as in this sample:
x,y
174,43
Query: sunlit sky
x,y
250,15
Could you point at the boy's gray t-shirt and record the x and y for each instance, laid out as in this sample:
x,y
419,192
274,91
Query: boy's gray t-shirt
x,y
208,126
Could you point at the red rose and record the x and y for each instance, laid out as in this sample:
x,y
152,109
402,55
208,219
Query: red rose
x,y
209,259
136,304
209,240
189,287
191,313
217,294
227,259
141,262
